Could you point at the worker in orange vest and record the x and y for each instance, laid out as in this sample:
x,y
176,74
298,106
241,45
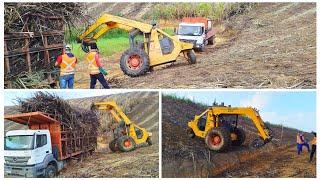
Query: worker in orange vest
x,y
95,67
313,144
67,63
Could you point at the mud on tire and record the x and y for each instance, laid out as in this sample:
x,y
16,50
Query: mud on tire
x,y
241,137
134,62
218,139
126,144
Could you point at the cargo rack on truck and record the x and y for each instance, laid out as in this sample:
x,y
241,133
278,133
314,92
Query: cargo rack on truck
x,y
70,142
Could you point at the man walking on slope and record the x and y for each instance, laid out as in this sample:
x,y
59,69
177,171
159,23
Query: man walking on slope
x,y
313,146
96,68
301,142
67,63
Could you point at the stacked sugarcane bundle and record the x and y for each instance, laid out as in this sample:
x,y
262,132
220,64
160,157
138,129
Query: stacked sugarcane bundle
x,y
74,118
28,27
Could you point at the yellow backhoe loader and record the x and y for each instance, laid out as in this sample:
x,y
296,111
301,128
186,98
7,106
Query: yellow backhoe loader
x,y
127,135
218,125
156,48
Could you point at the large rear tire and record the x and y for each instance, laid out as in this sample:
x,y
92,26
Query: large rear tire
x,y
218,139
134,62
113,145
126,144
192,59
241,137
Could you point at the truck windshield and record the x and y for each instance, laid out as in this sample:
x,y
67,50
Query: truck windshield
x,y
21,142
190,30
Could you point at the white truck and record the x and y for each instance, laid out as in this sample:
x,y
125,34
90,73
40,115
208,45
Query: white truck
x,y
196,30
44,148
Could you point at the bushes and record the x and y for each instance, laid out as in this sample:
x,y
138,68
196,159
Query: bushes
x,y
215,11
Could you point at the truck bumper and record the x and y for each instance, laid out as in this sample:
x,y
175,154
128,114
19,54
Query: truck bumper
x,y
23,171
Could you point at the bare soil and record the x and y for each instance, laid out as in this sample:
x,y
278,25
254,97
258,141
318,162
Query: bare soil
x,y
186,157
271,46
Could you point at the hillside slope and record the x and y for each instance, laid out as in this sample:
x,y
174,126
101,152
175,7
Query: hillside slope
x,y
195,160
143,109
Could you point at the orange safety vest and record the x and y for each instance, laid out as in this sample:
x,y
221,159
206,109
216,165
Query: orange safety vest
x,y
67,65
314,141
93,67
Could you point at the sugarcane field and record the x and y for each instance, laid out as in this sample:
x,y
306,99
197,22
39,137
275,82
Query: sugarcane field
x,y
247,45
92,136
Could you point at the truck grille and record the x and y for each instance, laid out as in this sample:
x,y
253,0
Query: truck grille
x,y
15,160
188,41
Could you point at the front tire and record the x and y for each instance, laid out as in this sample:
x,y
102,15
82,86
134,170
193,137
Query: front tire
x,y
50,171
192,59
113,145
218,139
134,62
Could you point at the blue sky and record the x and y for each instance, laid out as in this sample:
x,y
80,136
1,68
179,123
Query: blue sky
x,y
293,109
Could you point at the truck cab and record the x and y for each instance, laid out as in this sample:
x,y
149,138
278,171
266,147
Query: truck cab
x,y
196,30
28,153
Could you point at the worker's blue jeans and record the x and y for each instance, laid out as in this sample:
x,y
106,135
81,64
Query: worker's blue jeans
x,y
299,147
66,81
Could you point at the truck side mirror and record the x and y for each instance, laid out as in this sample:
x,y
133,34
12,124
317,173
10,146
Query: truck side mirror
x,y
175,30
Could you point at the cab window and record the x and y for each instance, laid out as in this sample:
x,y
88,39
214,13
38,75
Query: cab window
x,y
41,140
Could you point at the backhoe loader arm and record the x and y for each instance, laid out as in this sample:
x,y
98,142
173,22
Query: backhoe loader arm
x,y
114,109
107,22
254,116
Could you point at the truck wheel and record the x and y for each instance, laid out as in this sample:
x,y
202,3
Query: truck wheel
x,y
134,62
241,137
149,141
126,144
211,41
191,57
218,139
190,133
113,145
203,49
50,171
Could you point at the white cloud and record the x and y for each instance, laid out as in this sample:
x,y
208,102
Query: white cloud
x,y
258,100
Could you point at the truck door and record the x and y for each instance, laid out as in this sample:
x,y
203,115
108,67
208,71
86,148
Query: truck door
x,y
42,147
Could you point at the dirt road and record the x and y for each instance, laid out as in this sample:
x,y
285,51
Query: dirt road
x,y
272,46
281,163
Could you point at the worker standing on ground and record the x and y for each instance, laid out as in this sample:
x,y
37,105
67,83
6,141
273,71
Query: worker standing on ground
x,y
96,68
67,63
301,142
313,144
